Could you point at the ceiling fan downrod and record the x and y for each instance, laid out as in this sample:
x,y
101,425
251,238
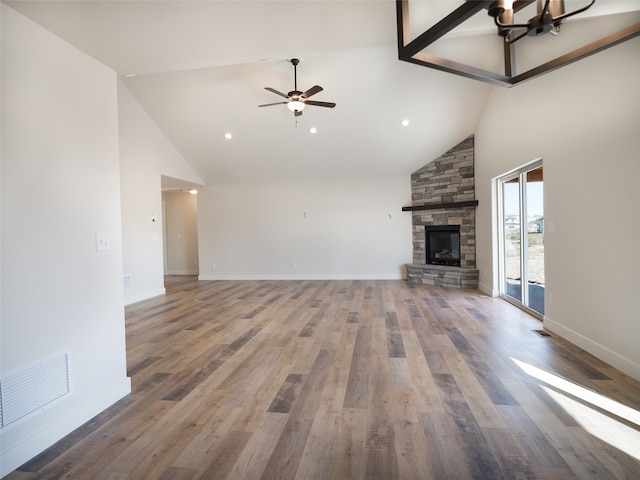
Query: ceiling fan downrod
x,y
295,62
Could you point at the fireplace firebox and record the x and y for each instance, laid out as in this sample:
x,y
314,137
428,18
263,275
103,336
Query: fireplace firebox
x,y
442,245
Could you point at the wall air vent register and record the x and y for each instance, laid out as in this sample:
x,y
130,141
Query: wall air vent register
x,y
28,391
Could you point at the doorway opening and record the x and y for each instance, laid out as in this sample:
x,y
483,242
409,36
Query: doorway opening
x,y
180,232
521,234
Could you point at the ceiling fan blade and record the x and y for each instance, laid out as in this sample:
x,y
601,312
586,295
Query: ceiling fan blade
x,y
269,104
320,104
297,113
273,90
312,91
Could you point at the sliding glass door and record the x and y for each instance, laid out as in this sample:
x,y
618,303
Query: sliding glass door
x,y
522,237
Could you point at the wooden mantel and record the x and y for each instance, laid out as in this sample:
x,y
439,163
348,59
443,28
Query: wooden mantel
x,y
440,206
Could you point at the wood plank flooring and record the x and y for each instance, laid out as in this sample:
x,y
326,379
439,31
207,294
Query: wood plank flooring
x,y
350,380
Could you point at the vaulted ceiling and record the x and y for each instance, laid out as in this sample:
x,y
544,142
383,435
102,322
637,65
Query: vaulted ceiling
x,y
200,69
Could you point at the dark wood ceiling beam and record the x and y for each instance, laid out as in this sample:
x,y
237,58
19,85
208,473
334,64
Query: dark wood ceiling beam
x,y
464,70
580,53
412,51
451,21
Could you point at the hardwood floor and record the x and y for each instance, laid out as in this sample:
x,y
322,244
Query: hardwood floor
x,y
350,380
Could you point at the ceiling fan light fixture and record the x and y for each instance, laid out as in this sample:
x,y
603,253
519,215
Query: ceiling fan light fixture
x,y
295,106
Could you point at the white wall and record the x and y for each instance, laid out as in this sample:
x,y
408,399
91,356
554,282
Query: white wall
x,y
145,155
584,121
60,187
349,228
181,224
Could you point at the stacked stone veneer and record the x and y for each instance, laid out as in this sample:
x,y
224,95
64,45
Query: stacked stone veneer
x,y
447,179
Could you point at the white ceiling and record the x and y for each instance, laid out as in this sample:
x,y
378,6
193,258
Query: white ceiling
x,y
201,67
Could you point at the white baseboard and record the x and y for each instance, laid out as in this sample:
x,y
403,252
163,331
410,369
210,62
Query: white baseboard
x,y
128,300
623,364
193,271
365,276
486,289
16,455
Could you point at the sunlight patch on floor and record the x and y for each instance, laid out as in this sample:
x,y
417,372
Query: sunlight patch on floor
x,y
601,426
587,407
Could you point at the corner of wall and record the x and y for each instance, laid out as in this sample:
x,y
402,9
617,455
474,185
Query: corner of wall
x,y
488,290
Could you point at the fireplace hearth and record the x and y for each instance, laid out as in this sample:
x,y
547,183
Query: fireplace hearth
x,y
442,244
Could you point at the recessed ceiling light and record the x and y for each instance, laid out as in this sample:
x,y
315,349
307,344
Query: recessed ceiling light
x,y
313,130
405,123
127,75
228,136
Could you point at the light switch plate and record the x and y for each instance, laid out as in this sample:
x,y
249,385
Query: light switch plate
x,y
103,242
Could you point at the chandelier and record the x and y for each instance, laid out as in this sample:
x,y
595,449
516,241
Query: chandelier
x,y
550,15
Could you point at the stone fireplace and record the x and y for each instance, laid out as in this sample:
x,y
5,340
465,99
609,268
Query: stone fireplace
x,y
443,201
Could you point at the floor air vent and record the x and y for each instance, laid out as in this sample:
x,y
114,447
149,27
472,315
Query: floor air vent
x,y
542,333
32,389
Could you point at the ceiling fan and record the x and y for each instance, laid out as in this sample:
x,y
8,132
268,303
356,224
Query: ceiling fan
x,y
296,100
